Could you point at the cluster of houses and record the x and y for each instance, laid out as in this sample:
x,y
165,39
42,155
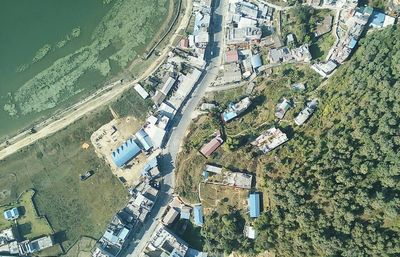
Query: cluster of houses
x,y
10,246
269,139
169,244
356,20
199,39
284,54
168,88
176,217
130,219
168,99
9,243
243,35
223,177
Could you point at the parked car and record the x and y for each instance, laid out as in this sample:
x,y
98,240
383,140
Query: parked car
x,y
87,175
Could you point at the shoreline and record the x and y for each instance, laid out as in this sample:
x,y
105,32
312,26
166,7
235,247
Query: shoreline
x,y
99,98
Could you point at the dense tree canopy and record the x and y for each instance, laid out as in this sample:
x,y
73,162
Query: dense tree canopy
x,y
341,196
224,234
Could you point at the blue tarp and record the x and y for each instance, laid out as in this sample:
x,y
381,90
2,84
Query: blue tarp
x,y
227,116
126,152
352,43
198,215
256,61
254,205
205,175
377,19
185,215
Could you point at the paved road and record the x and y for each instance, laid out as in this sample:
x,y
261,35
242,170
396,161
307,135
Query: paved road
x,y
180,125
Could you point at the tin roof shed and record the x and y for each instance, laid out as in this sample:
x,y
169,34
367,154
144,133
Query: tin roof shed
x,y
126,152
198,215
254,205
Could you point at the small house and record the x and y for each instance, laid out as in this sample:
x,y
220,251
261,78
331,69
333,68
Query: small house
x,y
282,108
11,214
211,146
198,215
306,113
254,205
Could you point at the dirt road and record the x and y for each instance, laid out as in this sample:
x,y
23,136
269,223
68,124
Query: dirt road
x,y
92,103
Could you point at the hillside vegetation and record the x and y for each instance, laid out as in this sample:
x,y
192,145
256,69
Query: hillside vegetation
x,y
339,193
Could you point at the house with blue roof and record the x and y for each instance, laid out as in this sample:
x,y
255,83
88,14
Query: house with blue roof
x,y
377,19
126,152
198,215
256,61
254,205
11,214
352,43
227,116
144,139
235,109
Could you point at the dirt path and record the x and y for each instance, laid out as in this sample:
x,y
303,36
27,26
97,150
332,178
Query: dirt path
x,y
92,103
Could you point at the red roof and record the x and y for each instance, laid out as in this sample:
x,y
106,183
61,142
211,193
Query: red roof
x,y
184,43
211,146
231,56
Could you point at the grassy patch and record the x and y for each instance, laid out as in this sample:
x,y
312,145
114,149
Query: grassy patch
x,y
82,248
319,49
131,103
30,224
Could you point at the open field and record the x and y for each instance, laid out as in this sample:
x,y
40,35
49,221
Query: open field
x,y
52,167
319,49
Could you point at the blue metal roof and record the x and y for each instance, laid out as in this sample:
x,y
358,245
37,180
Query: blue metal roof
x,y
205,175
126,152
123,233
227,116
198,215
353,43
256,61
11,214
185,215
377,19
254,205
144,139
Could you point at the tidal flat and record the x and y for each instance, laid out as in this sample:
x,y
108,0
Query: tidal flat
x,y
55,52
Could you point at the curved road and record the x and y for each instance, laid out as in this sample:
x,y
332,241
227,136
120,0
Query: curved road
x,y
93,102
